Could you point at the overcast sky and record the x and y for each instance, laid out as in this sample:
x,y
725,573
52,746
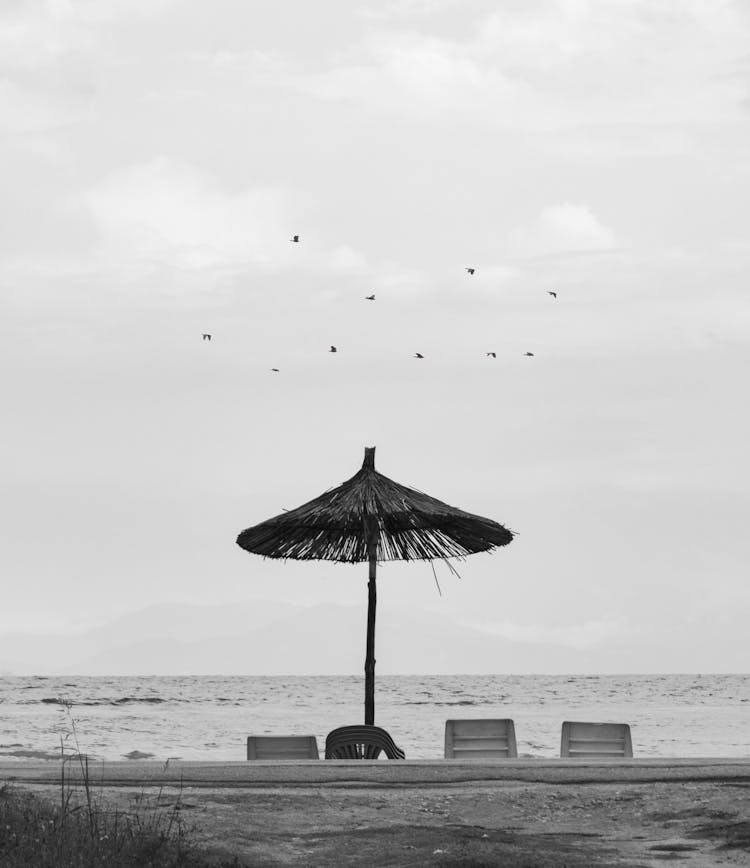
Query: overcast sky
x,y
158,155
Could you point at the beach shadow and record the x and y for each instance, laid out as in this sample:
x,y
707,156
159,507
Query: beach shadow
x,y
733,835
454,846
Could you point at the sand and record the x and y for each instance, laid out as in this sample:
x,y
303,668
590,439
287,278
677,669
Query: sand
x,y
481,813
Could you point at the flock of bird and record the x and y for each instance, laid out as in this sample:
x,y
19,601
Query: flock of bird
x,y
471,271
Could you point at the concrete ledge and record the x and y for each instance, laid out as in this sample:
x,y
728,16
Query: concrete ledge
x,y
378,773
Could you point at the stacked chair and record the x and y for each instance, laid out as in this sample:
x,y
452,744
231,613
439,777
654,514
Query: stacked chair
x,y
361,742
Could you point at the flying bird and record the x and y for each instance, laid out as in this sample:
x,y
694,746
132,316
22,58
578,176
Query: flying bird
x,y
528,354
370,297
494,355
295,238
553,294
418,356
333,349
275,369
206,337
471,270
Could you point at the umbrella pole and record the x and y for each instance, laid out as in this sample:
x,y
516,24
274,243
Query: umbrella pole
x,y
372,599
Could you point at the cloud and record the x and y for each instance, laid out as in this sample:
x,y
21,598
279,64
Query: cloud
x,y
489,276
28,110
36,35
41,33
407,72
383,11
623,60
548,66
170,211
96,10
346,260
49,51
398,282
258,66
564,228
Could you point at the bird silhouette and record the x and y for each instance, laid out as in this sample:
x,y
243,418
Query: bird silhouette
x,y
370,297
275,369
553,294
418,356
333,349
471,270
206,337
295,238
528,354
494,355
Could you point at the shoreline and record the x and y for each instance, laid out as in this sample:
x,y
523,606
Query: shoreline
x,y
634,812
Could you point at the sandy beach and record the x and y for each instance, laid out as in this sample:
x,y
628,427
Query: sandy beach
x,y
418,812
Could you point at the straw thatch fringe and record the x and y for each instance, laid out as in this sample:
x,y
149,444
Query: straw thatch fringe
x,y
411,525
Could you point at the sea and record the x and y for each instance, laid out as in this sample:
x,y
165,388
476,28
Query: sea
x,y
209,717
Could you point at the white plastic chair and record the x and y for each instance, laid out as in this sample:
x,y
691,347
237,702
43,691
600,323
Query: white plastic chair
x,y
580,739
480,739
282,747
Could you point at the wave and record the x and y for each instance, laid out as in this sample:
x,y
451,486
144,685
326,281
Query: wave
x,y
30,754
123,700
138,755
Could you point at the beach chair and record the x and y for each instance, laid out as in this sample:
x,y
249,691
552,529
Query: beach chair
x,y
480,739
361,742
282,747
595,740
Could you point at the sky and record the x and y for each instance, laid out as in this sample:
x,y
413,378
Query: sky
x,y
158,156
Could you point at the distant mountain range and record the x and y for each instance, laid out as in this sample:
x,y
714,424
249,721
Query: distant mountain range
x,y
271,638
268,638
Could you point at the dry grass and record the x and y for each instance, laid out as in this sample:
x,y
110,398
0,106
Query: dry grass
x,y
80,830
36,832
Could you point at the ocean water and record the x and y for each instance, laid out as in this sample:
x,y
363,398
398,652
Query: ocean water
x,y
210,717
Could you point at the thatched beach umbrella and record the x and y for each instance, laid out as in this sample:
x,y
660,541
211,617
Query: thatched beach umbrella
x,y
372,518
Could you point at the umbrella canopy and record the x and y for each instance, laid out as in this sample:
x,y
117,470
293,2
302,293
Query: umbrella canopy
x,y
372,518
410,525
